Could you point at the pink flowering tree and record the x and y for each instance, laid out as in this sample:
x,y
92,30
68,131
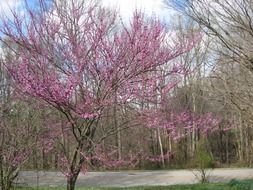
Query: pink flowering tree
x,y
180,124
77,57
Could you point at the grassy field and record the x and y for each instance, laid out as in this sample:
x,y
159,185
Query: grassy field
x,y
233,185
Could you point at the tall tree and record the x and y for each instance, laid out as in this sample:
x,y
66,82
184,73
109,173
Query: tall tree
x,y
76,57
228,24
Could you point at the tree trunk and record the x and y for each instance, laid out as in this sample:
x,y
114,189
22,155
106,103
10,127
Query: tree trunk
x,y
1,173
240,139
161,147
227,150
1,164
71,182
194,130
118,138
246,140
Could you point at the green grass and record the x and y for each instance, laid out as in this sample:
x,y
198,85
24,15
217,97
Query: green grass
x,y
233,185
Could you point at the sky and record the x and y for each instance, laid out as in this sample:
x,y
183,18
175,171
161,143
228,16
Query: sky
x,y
149,7
5,5
125,7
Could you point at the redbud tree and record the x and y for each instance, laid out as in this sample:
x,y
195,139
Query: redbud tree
x,y
77,57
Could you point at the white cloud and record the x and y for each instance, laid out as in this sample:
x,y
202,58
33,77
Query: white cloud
x,y
149,7
7,6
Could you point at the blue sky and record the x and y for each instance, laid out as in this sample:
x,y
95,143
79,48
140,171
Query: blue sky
x,y
7,5
125,7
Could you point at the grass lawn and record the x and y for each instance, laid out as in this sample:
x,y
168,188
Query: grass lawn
x,y
233,185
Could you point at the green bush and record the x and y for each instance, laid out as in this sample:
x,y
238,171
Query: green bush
x,y
203,162
203,159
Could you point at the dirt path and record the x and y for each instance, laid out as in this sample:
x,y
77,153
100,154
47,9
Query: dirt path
x,y
132,178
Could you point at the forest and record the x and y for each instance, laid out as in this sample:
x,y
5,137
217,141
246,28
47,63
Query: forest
x,y
80,90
